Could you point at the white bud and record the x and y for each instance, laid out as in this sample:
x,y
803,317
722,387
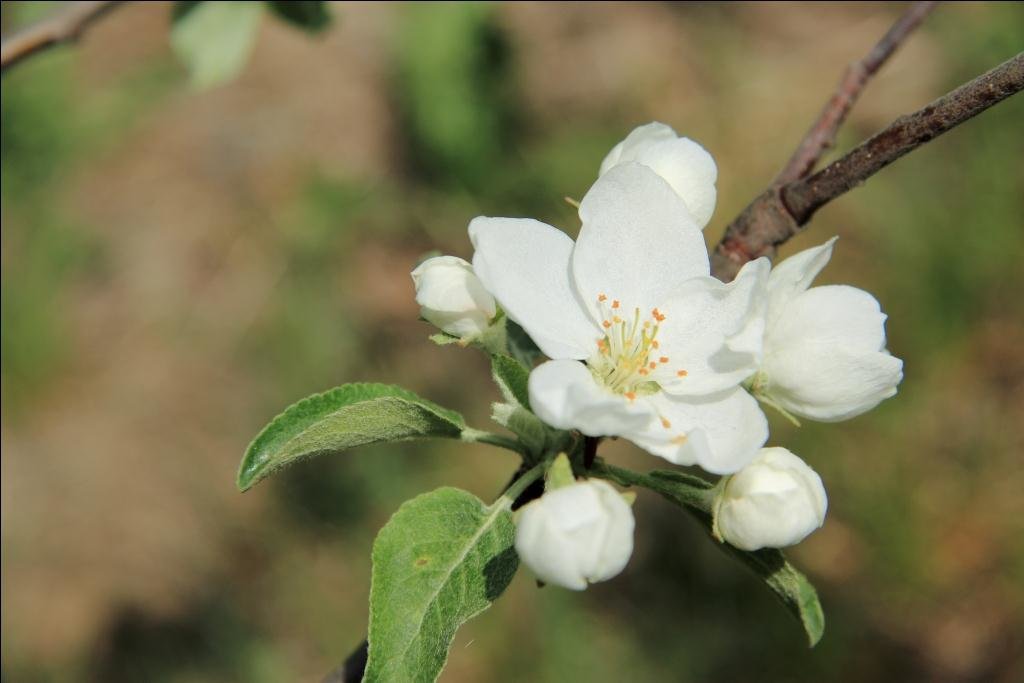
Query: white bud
x,y
682,163
452,297
576,534
774,502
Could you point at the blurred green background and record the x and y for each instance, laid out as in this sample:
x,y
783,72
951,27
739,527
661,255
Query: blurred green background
x,y
179,265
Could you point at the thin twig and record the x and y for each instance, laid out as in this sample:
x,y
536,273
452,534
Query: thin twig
x,y
822,135
64,26
781,212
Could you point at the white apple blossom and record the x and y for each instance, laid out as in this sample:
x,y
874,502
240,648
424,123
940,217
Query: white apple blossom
x,y
576,535
451,296
774,502
685,165
824,347
644,343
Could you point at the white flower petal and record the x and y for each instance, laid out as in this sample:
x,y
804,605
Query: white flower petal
x,y
525,264
721,432
638,243
691,172
832,386
541,544
617,541
825,355
837,316
713,333
795,274
565,395
639,138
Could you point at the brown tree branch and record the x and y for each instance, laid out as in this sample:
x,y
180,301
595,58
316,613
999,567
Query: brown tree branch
x,y
64,26
822,134
781,212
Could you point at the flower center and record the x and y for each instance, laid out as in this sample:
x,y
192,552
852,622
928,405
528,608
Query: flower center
x,y
628,353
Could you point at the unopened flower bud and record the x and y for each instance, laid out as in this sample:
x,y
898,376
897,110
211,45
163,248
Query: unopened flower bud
x,y
774,502
452,297
682,163
576,534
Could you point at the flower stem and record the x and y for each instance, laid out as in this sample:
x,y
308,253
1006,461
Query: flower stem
x,y
471,435
691,492
590,450
522,483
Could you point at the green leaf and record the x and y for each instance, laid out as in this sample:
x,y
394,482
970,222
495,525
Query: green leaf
x,y
512,379
350,415
311,16
214,39
696,496
521,346
440,560
532,433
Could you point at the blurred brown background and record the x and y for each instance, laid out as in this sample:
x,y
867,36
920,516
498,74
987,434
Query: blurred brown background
x,y
179,265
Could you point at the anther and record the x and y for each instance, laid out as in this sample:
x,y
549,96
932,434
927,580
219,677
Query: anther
x,y
606,324
682,373
665,423
615,304
663,359
630,395
602,298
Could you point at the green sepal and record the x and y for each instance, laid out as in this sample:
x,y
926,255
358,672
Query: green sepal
x,y
559,474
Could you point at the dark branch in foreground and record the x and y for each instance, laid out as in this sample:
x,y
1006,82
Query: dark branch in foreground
x,y
64,26
822,134
781,212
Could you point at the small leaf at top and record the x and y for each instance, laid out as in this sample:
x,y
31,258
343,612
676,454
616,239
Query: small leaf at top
x,y
214,38
311,16
350,415
440,560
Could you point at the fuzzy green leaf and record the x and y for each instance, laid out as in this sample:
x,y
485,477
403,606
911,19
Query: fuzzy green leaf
x,y
520,345
214,38
440,560
512,379
695,495
350,415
